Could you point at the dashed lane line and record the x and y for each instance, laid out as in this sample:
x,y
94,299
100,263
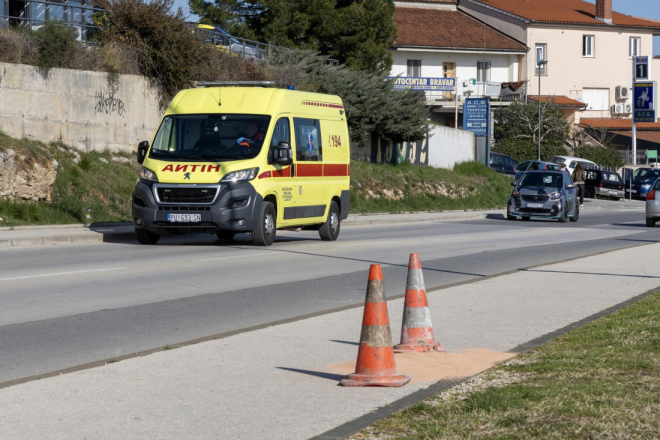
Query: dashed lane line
x,y
58,274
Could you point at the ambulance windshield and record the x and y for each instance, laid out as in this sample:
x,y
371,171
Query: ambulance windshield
x,y
210,137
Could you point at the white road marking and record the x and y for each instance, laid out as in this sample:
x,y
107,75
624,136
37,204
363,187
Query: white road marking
x,y
57,274
256,254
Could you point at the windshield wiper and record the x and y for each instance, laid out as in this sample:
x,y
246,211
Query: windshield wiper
x,y
177,156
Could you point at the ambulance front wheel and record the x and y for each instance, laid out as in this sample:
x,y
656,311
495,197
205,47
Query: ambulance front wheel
x,y
329,231
146,237
264,231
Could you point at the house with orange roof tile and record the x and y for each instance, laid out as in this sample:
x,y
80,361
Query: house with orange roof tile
x,y
589,48
437,40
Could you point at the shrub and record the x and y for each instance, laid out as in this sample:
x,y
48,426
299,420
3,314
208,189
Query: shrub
x,y
167,47
472,168
58,45
521,150
18,47
608,157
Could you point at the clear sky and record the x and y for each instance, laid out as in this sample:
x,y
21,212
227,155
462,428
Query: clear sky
x,y
638,8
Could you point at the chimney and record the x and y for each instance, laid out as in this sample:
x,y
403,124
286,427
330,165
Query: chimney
x,y
604,11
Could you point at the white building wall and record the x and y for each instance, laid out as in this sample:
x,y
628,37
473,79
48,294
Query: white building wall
x,y
569,73
504,66
449,146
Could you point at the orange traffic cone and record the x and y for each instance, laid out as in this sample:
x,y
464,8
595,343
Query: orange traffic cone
x,y
417,330
375,361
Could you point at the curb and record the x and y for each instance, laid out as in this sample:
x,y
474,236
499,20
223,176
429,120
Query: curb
x,y
115,237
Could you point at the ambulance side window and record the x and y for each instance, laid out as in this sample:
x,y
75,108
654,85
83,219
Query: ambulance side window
x,y
308,140
281,133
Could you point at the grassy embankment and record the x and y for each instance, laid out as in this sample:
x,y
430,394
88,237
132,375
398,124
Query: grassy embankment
x,y
105,186
95,182
599,381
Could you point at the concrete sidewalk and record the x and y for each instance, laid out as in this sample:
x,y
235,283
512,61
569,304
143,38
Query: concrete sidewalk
x,y
124,232
280,382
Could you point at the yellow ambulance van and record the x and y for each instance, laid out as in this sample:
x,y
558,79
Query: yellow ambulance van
x,y
244,158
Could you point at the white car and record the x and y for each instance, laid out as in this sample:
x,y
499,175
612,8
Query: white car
x,y
653,204
571,163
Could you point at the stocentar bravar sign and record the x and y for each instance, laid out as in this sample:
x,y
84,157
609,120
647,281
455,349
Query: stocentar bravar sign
x,y
420,83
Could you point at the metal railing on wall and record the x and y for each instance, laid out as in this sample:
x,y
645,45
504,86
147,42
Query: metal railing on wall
x,y
78,15
248,49
34,13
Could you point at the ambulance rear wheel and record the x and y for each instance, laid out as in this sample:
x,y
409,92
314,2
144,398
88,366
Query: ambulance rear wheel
x,y
146,237
330,229
264,232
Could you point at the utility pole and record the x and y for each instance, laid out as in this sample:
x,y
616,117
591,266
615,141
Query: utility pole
x,y
542,62
456,102
633,160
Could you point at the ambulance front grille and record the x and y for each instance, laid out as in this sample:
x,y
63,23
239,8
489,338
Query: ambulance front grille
x,y
186,195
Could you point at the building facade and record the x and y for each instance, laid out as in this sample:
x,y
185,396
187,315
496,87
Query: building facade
x,y
437,40
589,49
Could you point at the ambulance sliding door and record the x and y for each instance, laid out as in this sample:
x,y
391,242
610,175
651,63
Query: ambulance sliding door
x,y
308,181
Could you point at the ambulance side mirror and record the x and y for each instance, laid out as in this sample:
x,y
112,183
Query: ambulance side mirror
x,y
143,147
281,154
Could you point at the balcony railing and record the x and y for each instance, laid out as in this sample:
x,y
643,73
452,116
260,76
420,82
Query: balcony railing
x,y
491,90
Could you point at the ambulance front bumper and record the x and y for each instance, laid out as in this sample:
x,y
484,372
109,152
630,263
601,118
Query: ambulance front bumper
x,y
160,207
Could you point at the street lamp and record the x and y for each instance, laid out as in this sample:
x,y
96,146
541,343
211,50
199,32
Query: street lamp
x,y
542,62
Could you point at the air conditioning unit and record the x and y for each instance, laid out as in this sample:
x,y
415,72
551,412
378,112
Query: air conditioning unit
x,y
628,108
622,93
618,109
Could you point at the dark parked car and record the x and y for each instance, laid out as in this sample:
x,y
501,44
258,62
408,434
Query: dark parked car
x,y
544,194
604,184
503,163
642,181
532,165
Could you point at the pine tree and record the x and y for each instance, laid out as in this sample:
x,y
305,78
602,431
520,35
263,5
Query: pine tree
x,y
357,33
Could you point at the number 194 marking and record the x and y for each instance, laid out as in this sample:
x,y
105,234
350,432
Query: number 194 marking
x,y
334,141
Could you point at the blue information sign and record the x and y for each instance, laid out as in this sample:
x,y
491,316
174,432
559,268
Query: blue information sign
x,y
476,116
644,102
419,83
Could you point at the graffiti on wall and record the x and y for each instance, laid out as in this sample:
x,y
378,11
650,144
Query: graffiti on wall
x,y
107,103
381,150
386,151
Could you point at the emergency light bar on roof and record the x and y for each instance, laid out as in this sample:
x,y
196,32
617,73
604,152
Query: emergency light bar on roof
x,y
235,84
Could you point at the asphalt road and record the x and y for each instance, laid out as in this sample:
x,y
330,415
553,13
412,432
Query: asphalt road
x,y
64,306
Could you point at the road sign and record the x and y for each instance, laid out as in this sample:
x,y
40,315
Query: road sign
x,y
642,70
644,100
476,116
419,83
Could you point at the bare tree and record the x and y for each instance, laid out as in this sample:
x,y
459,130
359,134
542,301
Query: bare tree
x,y
521,121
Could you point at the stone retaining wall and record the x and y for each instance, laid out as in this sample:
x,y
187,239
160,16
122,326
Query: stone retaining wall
x,y
76,107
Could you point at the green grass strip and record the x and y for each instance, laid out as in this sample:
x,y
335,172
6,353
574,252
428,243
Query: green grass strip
x,y
600,381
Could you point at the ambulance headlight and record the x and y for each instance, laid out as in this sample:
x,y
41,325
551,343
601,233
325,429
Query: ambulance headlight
x,y
147,174
240,176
